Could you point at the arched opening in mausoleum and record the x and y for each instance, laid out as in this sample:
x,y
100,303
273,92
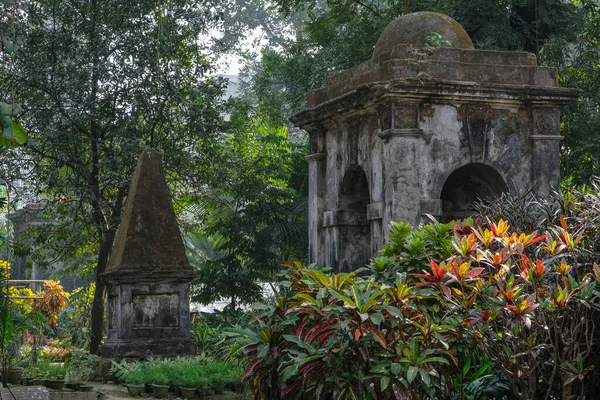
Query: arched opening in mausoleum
x,y
355,232
467,185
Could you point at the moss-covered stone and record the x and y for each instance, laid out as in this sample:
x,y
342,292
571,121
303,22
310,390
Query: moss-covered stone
x,y
416,28
148,246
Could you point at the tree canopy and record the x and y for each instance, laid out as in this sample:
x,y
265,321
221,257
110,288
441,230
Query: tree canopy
x,y
337,34
255,218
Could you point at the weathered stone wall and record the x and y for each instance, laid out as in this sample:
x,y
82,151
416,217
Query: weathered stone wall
x,y
148,311
148,319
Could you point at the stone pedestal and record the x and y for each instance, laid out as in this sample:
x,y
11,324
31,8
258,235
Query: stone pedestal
x,y
148,319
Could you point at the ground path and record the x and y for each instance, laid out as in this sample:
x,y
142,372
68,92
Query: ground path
x,y
119,392
110,391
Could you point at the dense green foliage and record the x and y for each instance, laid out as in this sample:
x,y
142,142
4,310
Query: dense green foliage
x,y
576,57
208,329
184,372
524,300
253,217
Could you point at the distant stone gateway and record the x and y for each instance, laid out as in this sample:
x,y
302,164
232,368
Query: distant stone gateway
x,y
426,126
148,273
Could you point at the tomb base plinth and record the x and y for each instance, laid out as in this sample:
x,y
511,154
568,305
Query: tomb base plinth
x,y
144,348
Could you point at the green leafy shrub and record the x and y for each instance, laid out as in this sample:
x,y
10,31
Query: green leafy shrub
x,y
189,378
479,378
158,372
208,328
136,376
119,370
184,372
80,366
342,336
523,299
47,369
409,250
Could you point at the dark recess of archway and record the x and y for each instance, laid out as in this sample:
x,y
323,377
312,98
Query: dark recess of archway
x,y
355,232
465,186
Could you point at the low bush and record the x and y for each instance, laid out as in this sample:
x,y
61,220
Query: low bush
x,y
136,376
208,328
46,369
80,367
184,372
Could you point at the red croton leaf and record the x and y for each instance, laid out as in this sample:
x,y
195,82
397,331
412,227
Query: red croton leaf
x,y
251,367
486,314
438,277
438,274
446,291
474,272
379,337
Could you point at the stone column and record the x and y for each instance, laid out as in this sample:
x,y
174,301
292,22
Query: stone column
x,y
330,249
346,233
545,139
375,218
401,135
316,190
317,168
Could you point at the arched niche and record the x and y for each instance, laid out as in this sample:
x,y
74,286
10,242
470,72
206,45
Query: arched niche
x,y
354,193
467,185
355,233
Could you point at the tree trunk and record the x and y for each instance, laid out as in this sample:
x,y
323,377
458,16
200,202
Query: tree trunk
x,y
97,327
528,12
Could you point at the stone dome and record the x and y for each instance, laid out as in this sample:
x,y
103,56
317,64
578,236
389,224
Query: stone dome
x,y
415,29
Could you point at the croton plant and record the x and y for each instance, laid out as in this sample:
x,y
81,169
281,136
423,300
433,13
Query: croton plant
x,y
408,326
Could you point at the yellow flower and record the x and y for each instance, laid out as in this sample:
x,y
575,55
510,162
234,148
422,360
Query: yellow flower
x,y
5,269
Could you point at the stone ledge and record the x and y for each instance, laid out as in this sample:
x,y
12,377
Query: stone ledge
x,y
547,137
144,348
408,53
433,70
316,157
392,133
153,275
341,217
324,107
375,211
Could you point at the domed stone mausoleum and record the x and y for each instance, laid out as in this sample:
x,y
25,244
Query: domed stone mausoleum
x,y
426,126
